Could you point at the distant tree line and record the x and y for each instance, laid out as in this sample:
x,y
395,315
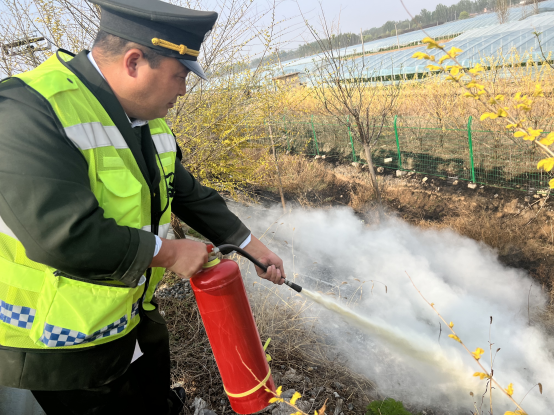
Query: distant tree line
x,y
442,14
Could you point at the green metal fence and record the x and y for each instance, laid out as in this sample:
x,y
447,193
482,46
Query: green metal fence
x,y
471,151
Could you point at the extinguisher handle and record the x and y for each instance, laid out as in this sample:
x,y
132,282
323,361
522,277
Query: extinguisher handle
x,y
230,247
243,253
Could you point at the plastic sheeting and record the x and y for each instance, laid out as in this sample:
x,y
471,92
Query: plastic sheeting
x,y
479,37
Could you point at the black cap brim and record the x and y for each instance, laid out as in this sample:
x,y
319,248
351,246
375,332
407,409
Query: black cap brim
x,y
194,67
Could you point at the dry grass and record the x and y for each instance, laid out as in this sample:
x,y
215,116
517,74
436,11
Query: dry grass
x,y
295,344
312,183
299,176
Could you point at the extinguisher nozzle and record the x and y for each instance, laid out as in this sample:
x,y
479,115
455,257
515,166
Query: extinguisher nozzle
x,y
293,286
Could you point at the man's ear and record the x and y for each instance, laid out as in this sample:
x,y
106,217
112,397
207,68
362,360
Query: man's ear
x,y
132,61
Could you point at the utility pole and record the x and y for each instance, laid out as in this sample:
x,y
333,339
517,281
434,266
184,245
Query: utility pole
x,y
27,46
397,40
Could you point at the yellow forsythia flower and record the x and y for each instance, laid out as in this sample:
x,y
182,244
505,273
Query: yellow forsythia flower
x,y
551,183
453,52
275,399
279,390
546,164
431,43
496,99
538,91
433,67
529,135
481,375
477,353
511,126
492,116
476,69
295,397
421,55
454,77
455,338
432,304
510,389
444,58
473,84
548,140
451,324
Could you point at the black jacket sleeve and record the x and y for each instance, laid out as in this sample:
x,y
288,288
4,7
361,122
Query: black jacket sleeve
x,y
46,200
204,209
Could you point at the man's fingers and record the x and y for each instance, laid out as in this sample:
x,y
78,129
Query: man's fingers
x,y
273,274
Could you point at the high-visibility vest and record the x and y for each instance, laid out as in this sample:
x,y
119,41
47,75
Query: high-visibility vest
x,y
42,308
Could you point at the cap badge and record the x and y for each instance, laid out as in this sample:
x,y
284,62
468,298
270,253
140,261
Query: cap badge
x,y
182,49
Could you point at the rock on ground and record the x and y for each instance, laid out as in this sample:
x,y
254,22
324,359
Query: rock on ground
x,y
200,407
179,290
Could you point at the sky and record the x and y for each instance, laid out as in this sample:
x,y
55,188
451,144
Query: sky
x,y
354,14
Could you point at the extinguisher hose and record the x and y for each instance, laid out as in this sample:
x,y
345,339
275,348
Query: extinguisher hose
x,y
230,247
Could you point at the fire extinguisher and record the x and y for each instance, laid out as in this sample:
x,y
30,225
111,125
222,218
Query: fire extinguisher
x,y
231,329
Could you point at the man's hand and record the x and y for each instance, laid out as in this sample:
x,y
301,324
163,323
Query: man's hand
x,y
275,270
183,257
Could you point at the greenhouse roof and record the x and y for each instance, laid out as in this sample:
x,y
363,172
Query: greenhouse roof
x,y
479,37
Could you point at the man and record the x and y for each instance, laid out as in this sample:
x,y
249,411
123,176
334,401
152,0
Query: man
x,y
89,175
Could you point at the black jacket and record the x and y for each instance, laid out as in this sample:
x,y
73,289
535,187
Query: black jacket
x,y
46,200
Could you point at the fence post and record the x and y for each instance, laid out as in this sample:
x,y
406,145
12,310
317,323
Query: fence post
x,y
397,143
351,141
470,142
315,137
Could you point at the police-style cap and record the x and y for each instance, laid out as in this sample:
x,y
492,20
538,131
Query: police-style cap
x,y
170,30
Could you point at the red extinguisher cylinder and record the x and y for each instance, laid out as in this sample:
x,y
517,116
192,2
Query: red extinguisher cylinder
x,y
234,338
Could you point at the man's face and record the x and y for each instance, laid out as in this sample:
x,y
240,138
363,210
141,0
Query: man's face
x,y
156,90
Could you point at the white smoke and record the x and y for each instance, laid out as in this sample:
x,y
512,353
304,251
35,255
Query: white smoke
x,y
462,277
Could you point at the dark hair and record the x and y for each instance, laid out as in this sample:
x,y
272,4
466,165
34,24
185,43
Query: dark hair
x,y
111,46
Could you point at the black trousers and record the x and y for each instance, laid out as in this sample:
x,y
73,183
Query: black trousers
x,y
142,389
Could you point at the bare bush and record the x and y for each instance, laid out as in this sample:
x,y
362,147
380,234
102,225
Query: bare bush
x,y
502,8
346,87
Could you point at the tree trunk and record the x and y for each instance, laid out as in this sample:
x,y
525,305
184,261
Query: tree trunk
x,y
277,168
372,174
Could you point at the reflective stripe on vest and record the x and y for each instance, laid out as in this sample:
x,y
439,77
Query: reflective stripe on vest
x,y
43,308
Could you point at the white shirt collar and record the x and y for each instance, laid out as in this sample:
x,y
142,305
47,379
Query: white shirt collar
x,y
134,123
